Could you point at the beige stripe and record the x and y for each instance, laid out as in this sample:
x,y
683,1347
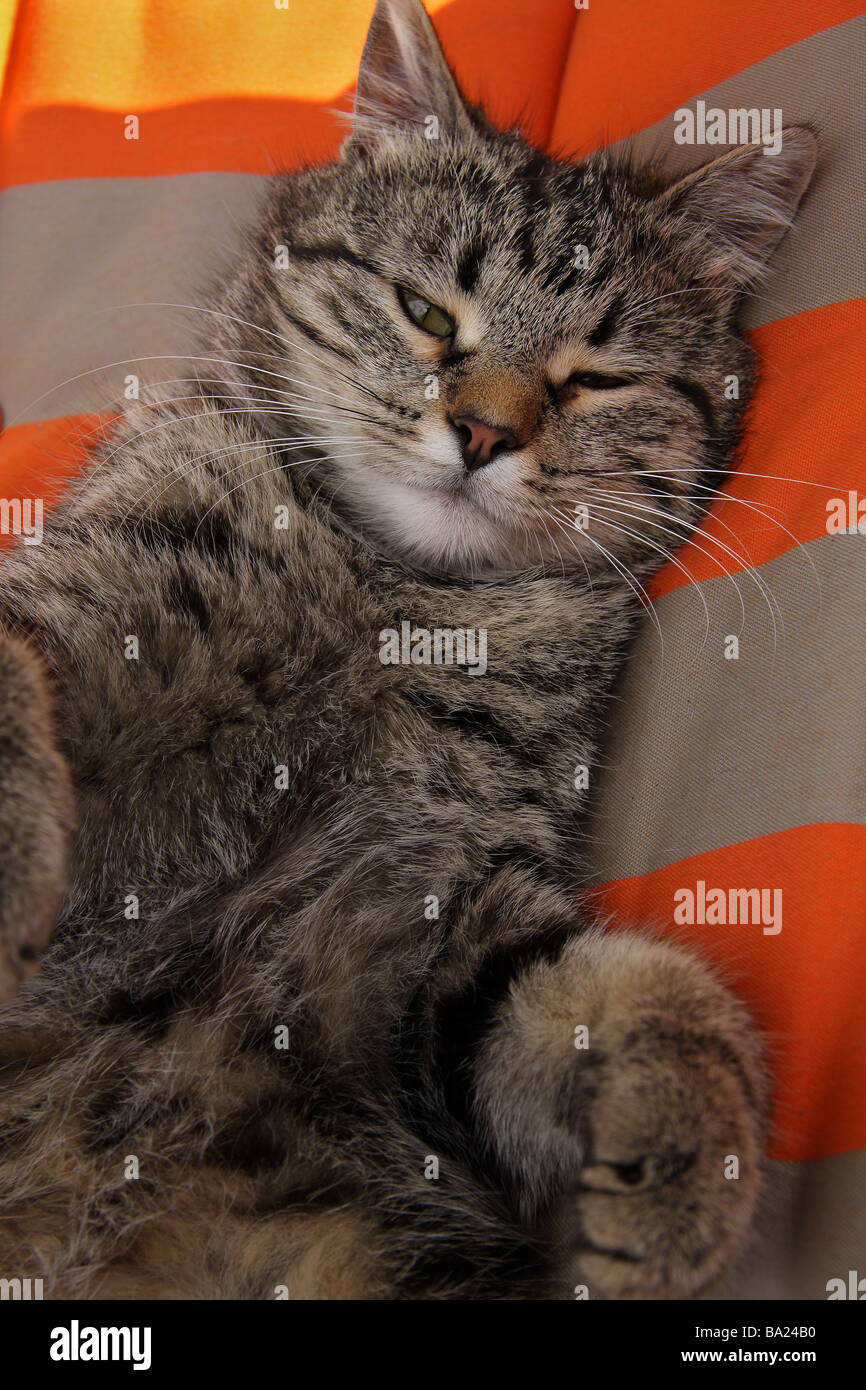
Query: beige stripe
x,y
706,751
811,1228
818,81
74,252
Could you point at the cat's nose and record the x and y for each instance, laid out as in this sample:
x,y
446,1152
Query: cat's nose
x,y
480,442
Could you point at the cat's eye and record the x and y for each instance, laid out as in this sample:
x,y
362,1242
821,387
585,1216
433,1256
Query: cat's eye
x,y
424,314
595,381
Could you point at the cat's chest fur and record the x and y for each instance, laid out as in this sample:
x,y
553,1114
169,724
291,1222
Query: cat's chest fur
x,y
229,673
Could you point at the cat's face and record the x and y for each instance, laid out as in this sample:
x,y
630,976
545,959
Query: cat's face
x,y
512,362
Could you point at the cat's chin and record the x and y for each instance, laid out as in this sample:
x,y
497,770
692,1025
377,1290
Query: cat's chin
x,y
442,530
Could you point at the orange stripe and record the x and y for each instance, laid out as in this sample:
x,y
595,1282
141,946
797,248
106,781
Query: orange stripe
x,y
235,135
804,986
806,429
251,94
39,460
630,66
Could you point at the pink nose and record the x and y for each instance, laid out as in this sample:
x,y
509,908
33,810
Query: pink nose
x,y
480,442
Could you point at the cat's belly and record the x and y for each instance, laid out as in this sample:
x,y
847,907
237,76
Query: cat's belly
x,y
335,840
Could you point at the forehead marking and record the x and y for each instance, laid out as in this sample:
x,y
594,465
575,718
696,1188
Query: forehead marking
x,y
532,182
607,324
470,262
331,252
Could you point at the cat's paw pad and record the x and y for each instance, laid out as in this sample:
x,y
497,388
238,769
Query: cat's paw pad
x,y
622,1088
671,1143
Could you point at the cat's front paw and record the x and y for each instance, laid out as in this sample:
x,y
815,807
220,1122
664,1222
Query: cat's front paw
x,y
36,815
622,1091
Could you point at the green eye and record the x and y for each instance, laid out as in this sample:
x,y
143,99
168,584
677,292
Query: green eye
x,y
597,381
426,315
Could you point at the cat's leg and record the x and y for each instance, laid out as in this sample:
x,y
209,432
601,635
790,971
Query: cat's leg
x,y
204,1253
622,1092
345,1252
203,1233
175,1170
36,814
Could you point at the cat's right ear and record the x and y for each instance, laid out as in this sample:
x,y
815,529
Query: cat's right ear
x,y
404,83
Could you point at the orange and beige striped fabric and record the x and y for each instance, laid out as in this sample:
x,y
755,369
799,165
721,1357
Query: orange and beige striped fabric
x,y
745,773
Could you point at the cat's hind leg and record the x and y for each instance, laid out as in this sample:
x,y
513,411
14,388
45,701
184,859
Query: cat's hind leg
x,y
36,814
621,1091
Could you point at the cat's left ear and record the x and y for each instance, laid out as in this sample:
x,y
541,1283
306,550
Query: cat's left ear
x,y
742,204
404,83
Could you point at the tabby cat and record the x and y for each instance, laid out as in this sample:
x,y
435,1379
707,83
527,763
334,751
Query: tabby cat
x,y
310,1018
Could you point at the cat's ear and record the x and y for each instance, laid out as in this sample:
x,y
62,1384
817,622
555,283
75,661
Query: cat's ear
x,y
404,83
743,203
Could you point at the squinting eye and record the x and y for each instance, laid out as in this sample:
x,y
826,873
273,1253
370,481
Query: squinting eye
x,y
426,315
596,381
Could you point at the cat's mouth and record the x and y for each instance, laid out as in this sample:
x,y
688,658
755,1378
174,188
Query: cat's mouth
x,y
467,507
456,492
462,495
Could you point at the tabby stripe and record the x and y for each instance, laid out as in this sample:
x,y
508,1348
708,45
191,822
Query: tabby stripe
x,y
349,328
607,324
610,1252
535,200
163,533
316,337
561,275
696,394
186,595
472,719
533,175
601,270
333,252
475,721
664,483
652,1037
525,246
469,264
565,285
211,536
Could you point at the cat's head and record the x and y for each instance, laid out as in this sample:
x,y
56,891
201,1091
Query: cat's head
x,y
508,360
